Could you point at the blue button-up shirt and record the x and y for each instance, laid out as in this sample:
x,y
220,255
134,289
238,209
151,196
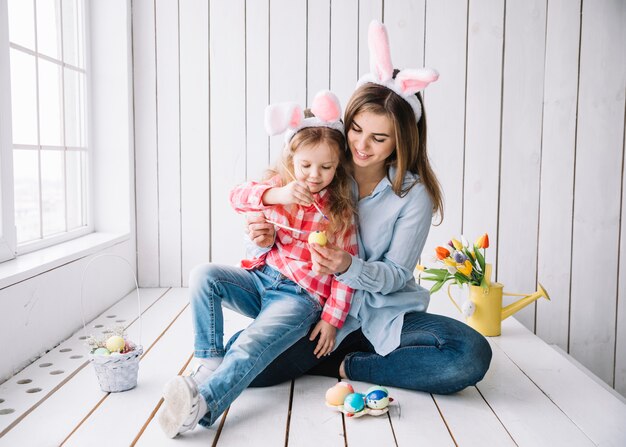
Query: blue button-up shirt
x,y
392,234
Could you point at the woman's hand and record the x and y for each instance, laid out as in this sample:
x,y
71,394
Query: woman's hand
x,y
326,343
329,259
292,193
260,232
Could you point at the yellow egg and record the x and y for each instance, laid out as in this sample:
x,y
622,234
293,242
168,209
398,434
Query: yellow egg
x,y
115,343
318,237
337,394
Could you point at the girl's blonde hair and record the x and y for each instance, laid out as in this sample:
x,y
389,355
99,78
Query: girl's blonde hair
x,y
341,208
410,154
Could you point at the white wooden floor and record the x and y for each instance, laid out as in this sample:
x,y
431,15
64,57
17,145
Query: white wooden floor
x,y
531,396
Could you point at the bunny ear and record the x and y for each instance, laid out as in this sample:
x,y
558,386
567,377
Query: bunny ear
x,y
326,106
279,117
411,81
380,55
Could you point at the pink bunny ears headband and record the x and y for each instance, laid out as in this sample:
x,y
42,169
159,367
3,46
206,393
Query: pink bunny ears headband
x,y
407,82
288,117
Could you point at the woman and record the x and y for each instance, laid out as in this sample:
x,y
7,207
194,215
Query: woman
x,y
388,338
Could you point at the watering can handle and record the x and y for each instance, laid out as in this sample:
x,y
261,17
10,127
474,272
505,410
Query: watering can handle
x,y
452,299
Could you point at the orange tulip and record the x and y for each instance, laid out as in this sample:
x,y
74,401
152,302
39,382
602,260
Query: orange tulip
x,y
483,241
442,253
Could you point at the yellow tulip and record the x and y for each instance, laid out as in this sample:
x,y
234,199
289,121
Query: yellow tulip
x,y
420,267
457,244
465,268
450,262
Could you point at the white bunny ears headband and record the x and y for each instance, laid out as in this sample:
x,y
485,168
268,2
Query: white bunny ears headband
x,y
407,82
288,117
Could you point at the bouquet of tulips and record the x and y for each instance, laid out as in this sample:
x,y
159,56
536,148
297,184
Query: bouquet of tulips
x,y
461,264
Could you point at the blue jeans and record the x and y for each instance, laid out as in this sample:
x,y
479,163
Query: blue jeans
x,y
436,354
283,313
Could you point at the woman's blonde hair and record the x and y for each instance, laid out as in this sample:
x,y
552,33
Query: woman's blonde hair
x,y
410,154
341,208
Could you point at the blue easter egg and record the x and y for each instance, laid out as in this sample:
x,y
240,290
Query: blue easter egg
x,y
377,399
377,387
354,402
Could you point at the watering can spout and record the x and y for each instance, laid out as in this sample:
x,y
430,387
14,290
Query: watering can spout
x,y
523,302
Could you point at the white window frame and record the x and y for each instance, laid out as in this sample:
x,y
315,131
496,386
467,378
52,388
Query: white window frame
x,y
6,159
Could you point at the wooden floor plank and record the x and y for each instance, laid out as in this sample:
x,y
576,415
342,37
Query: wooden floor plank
x,y
526,412
63,363
597,412
470,419
416,419
312,423
361,431
132,407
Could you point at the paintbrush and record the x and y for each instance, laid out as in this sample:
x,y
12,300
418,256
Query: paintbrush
x,y
285,226
314,203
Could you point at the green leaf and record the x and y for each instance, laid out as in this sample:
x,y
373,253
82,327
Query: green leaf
x,y
436,287
469,255
439,273
430,278
481,260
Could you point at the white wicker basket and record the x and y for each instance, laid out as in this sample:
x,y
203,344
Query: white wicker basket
x,y
115,372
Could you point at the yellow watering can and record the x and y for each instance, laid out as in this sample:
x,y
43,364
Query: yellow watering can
x,y
483,311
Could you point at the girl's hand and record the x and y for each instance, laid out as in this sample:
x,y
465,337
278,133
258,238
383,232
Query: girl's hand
x,y
326,343
261,233
329,259
292,193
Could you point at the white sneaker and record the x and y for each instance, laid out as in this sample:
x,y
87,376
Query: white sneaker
x,y
183,406
202,369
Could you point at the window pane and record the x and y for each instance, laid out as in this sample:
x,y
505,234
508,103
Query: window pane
x,y
52,192
49,28
26,178
74,115
22,23
75,177
50,102
72,32
23,98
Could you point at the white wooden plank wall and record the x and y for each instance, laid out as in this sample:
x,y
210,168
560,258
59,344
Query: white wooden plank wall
x,y
526,132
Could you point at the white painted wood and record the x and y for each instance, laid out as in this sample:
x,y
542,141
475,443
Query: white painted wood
x,y
312,423
407,28
598,413
228,132
146,189
528,414
168,141
194,135
485,36
257,87
29,308
446,24
619,381
362,430
157,366
368,10
343,48
521,148
53,418
557,168
287,58
318,48
416,420
599,165
470,419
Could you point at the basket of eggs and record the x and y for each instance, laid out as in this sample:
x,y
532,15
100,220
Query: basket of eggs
x,y
114,357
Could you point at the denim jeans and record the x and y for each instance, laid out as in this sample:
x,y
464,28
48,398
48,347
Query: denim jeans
x,y
436,354
283,313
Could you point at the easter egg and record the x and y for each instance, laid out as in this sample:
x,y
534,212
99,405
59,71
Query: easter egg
x,y
354,403
337,394
377,399
115,343
318,237
102,351
377,387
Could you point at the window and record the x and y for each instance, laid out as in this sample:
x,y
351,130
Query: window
x,y
48,77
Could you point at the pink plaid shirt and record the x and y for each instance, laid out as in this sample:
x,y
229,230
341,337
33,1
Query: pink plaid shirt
x,y
290,253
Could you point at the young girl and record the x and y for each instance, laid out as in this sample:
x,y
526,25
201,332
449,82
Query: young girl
x,y
309,191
